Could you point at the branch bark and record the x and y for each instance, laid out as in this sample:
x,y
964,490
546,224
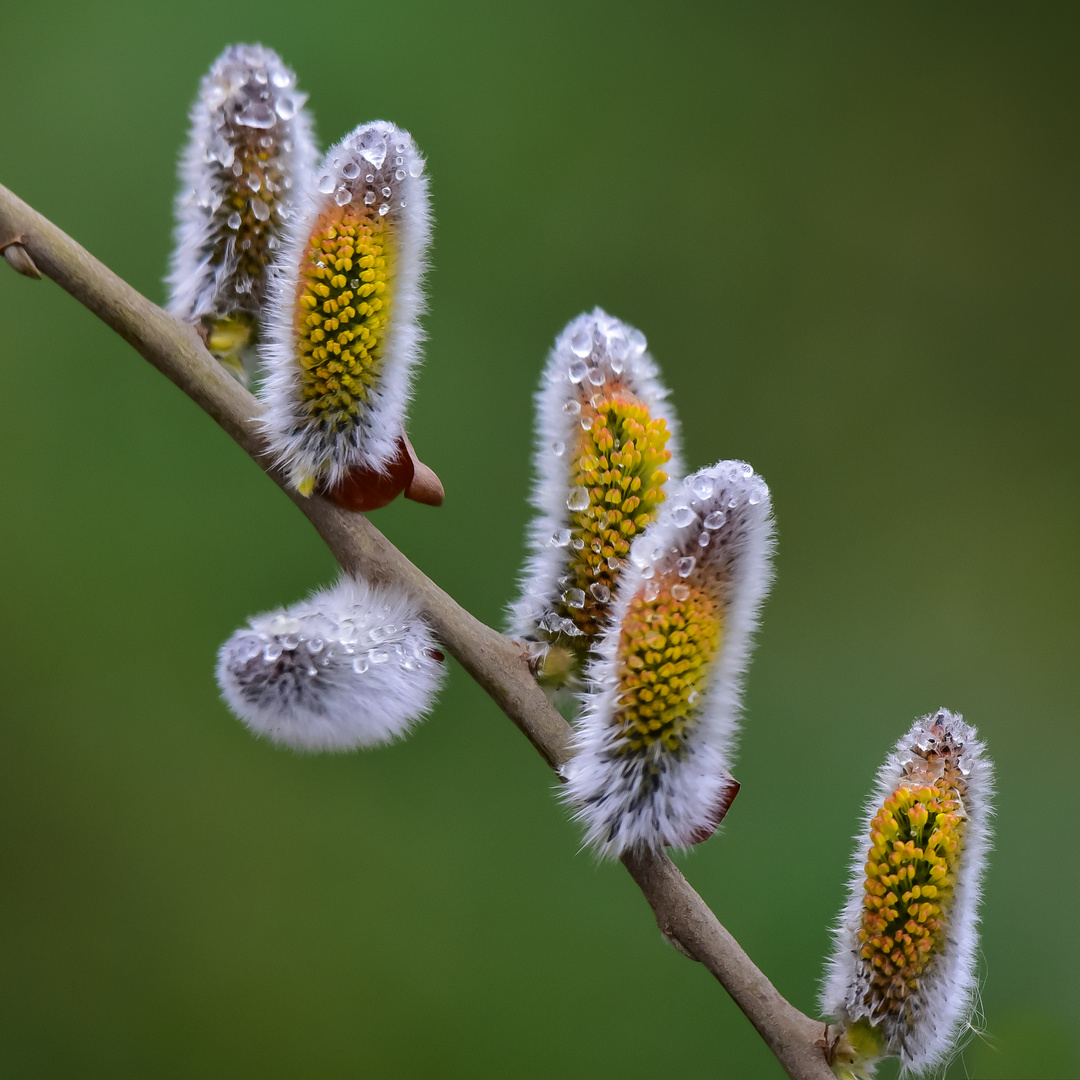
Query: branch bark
x,y
176,350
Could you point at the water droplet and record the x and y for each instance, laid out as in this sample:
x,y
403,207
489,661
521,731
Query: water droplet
x,y
272,651
558,448
680,592
577,370
384,210
597,376
636,340
326,183
692,697
586,423
260,76
686,566
600,592
237,168
387,192
233,220
613,564
651,591
256,114
285,106
681,516
702,486
360,665
399,174
342,196
758,492
409,664
574,598
378,656
715,519
561,538
372,147
281,79
746,469
648,572
350,170
577,543
596,400
254,181
369,197
260,210
578,499
572,407
703,539
416,166
582,342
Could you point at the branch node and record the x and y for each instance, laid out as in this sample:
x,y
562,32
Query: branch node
x,y
675,943
18,258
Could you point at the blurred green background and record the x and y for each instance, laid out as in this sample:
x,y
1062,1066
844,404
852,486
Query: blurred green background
x,y
851,234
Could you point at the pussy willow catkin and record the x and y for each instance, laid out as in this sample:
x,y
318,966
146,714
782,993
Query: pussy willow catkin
x,y
606,443
663,692
902,973
248,159
345,310
351,666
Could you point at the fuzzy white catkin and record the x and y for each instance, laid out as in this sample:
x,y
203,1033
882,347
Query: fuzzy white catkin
x,y
937,1008
716,537
250,141
594,352
375,172
351,666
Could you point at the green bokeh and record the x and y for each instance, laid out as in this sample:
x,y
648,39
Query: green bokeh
x,y
851,233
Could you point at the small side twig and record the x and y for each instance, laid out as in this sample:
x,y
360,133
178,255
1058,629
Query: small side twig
x,y
495,662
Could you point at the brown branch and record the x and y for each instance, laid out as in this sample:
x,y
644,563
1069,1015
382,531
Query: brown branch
x,y
492,660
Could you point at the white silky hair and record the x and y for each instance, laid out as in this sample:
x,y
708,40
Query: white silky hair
x,y
229,108
623,804
593,342
383,151
948,985
351,666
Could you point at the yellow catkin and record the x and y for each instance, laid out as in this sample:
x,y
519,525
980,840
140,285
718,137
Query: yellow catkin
x,y
619,460
915,840
665,648
341,314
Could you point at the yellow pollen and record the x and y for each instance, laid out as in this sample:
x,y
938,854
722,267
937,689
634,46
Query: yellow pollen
x,y
665,648
341,347
623,448
915,841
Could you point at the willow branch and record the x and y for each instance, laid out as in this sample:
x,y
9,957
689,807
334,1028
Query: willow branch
x,y
32,244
